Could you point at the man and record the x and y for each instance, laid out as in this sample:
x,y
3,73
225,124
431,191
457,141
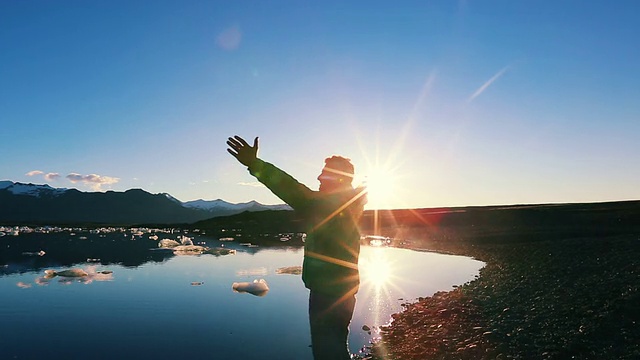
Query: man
x,y
332,246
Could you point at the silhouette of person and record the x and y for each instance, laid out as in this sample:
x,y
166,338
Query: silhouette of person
x,y
332,245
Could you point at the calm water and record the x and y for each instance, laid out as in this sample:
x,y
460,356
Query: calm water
x,y
153,310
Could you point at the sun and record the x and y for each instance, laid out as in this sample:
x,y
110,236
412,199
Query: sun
x,y
381,188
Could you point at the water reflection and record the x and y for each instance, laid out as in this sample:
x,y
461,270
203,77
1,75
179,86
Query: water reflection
x,y
36,251
63,251
141,300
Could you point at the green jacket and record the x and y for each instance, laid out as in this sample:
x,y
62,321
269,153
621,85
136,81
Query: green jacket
x,y
332,245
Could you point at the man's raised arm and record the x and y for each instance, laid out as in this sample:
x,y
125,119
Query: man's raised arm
x,y
279,182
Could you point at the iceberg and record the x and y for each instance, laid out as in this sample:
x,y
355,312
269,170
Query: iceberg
x,y
257,287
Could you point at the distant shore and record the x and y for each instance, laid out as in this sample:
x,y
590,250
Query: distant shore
x,y
542,295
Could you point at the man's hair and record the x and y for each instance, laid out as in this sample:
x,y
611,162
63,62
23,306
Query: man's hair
x,y
341,166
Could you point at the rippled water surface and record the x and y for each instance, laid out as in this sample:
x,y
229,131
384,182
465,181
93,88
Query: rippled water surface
x,y
184,306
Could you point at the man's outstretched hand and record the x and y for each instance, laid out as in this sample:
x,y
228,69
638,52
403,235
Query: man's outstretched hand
x,y
242,151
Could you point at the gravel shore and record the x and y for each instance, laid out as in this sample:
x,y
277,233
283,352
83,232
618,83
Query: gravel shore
x,y
563,298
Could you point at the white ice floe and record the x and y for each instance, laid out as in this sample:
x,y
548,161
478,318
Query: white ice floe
x,y
185,240
168,243
257,287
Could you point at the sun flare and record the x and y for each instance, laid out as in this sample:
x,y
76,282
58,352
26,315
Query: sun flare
x,y
376,270
381,188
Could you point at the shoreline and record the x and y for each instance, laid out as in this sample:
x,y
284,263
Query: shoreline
x,y
545,299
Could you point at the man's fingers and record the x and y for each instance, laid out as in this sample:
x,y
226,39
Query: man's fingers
x,y
234,146
241,140
235,154
233,142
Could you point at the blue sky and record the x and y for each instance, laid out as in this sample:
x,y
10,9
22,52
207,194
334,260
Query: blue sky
x,y
454,102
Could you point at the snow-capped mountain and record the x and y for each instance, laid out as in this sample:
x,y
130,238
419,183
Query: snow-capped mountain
x,y
219,204
31,189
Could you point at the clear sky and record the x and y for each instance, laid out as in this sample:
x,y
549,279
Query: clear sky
x,y
455,102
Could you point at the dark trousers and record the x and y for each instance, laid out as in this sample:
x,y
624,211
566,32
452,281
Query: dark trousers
x,y
329,318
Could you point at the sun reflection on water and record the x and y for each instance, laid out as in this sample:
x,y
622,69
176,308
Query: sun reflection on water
x,y
376,269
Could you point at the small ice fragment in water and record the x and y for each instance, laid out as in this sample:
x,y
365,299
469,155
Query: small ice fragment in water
x,y
185,240
257,287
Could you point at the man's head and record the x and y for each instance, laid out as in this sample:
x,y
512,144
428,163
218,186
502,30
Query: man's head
x,y
337,174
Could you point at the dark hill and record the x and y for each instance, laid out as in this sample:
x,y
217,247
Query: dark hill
x,y
73,206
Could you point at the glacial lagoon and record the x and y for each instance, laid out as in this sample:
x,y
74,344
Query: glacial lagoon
x,y
167,307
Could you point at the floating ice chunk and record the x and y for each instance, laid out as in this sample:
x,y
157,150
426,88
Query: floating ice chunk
x,y
168,243
257,287
185,240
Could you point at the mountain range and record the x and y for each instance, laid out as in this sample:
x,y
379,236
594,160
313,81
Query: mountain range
x,y
42,204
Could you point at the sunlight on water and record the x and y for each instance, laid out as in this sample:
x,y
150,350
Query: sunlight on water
x,y
376,268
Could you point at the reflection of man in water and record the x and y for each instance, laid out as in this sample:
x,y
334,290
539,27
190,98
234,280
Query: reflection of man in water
x,y
332,246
